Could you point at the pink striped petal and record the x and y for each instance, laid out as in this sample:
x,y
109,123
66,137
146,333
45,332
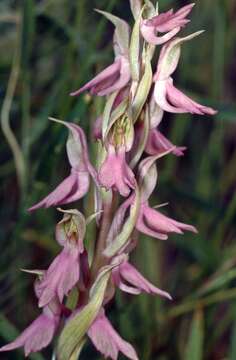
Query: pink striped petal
x,y
37,336
61,276
115,173
107,341
121,82
107,73
168,21
180,100
160,94
132,276
151,222
157,144
71,189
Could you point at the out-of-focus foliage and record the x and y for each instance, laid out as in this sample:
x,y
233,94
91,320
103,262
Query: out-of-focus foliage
x,y
49,48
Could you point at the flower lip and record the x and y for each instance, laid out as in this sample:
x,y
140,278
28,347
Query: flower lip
x,y
115,173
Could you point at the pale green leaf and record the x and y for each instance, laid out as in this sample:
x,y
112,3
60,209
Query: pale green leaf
x,y
76,353
116,115
143,90
74,331
143,140
149,10
134,51
72,299
135,6
107,112
122,238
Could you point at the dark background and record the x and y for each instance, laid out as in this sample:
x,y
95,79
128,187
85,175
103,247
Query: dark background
x,y
51,47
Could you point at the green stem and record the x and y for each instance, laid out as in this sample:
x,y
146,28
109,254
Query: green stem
x,y
5,116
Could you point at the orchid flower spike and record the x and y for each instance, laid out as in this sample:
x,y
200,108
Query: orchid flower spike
x,y
169,23
79,284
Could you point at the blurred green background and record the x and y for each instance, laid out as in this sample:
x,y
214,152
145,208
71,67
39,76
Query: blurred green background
x,y
49,48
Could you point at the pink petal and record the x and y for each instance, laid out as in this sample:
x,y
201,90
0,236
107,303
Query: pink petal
x,y
133,277
61,276
177,98
153,223
121,82
144,227
103,76
168,21
149,34
115,173
71,189
37,336
160,94
185,10
59,194
157,144
122,286
81,188
160,19
107,341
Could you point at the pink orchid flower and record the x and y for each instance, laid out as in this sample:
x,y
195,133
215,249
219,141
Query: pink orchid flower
x,y
155,224
64,272
38,335
129,280
166,95
115,173
107,341
76,185
172,100
169,23
113,78
157,144
61,276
